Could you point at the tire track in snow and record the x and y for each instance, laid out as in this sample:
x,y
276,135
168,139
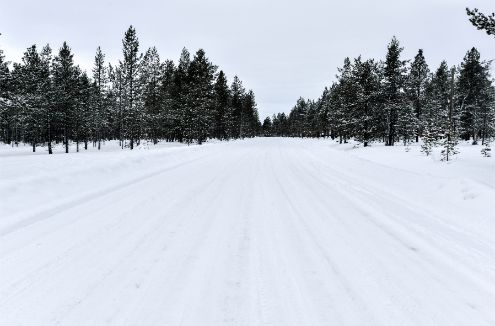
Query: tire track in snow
x,y
25,222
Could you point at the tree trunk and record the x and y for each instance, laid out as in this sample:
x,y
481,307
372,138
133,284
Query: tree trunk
x,y
49,139
66,140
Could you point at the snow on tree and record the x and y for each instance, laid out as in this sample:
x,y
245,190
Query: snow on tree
x,y
474,79
450,139
416,86
394,73
367,81
222,113
65,92
100,79
482,21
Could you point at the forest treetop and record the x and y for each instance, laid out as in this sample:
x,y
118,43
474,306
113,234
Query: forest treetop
x,y
47,99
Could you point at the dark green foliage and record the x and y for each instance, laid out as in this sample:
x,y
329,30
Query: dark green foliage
x,y
221,111
65,91
394,78
45,100
99,103
482,21
267,127
474,88
416,87
387,102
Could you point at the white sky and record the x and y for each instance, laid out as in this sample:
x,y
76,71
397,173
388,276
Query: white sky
x,y
282,49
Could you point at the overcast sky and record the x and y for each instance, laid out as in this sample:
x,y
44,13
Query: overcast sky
x,y
281,49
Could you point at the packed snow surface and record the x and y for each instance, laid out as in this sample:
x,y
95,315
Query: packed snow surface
x,y
254,232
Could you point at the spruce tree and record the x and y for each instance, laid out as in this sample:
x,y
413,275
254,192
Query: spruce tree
x,y
46,89
167,113
151,75
180,95
249,116
100,79
346,97
297,118
487,113
482,21
82,126
394,71
65,91
4,75
47,100
450,140
28,99
222,104
237,92
6,112
200,98
474,79
367,81
131,67
324,113
436,108
416,87
267,127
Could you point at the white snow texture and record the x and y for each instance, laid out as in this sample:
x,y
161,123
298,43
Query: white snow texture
x,y
264,231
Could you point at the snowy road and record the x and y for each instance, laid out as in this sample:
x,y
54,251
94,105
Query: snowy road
x,y
261,232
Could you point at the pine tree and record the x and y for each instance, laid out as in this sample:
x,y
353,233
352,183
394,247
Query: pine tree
x,y
4,76
367,81
29,99
416,86
131,67
150,80
237,92
45,86
82,127
65,90
482,21
297,119
393,84
100,78
221,111
6,111
407,124
118,97
47,100
450,137
436,107
344,101
473,82
324,112
249,117
487,113
180,95
267,127
167,99
200,100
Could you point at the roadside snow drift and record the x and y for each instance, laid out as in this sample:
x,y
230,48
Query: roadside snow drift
x,y
255,232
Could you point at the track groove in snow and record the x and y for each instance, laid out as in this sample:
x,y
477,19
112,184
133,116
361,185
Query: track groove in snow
x,y
256,232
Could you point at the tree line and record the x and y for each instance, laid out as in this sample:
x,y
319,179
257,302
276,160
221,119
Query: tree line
x,y
48,99
396,100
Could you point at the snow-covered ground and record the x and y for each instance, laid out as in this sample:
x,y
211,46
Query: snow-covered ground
x,y
255,232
